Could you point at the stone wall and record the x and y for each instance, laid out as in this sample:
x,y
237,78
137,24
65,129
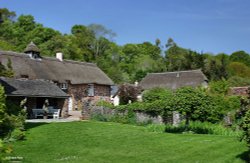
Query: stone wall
x,y
102,90
79,94
63,105
141,117
240,91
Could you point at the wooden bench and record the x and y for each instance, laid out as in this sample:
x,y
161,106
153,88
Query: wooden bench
x,y
38,113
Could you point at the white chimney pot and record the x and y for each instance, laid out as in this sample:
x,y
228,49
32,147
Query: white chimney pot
x,y
59,56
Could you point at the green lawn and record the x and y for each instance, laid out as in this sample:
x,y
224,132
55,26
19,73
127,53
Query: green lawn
x,y
111,142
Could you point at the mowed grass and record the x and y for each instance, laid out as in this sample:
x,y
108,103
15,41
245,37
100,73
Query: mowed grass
x,y
112,142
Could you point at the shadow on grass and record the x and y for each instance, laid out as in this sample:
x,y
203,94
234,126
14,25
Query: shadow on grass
x,y
245,156
29,125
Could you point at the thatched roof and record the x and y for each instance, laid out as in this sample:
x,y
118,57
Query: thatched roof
x,y
31,48
52,69
31,88
173,80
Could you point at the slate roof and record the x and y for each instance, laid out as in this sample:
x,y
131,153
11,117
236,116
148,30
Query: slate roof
x,y
53,69
31,88
173,80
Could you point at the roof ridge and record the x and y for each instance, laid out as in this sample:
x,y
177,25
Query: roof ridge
x,y
80,62
53,69
19,54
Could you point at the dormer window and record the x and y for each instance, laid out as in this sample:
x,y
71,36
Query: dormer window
x,y
33,51
64,86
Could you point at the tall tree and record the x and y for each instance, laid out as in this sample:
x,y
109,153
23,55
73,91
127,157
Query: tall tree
x,y
240,56
103,36
7,15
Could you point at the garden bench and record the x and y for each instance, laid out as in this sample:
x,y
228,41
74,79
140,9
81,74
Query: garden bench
x,y
39,113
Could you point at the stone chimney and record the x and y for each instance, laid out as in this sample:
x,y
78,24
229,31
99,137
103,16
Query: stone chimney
x,y
136,83
59,56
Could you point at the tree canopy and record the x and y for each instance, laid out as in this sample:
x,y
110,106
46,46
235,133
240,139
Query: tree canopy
x,y
127,63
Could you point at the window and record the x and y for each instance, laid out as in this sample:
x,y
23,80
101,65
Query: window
x,y
64,86
91,90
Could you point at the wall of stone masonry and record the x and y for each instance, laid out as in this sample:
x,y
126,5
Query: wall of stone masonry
x,y
140,116
80,99
240,91
63,105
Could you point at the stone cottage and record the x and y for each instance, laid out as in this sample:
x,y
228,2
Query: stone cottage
x,y
81,81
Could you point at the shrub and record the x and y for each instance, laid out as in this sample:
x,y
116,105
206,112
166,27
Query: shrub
x,y
12,119
17,134
154,108
4,150
156,94
192,103
236,81
105,104
126,117
246,127
3,114
219,87
101,117
159,128
202,128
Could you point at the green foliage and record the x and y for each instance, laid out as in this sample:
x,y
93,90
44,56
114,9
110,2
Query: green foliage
x,y
155,108
6,72
158,128
233,103
105,104
5,149
4,45
215,67
246,127
202,128
179,58
125,117
219,87
6,14
17,134
243,117
239,69
240,56
156,94
191,102
2,111
236,81
12,118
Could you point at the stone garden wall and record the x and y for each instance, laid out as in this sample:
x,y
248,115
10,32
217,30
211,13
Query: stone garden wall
x,y
141,117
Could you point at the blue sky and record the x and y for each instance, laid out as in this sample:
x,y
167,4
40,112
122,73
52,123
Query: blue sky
x,y
202,25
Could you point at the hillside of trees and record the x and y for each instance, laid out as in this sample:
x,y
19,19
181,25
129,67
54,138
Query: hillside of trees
x,y
127,63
